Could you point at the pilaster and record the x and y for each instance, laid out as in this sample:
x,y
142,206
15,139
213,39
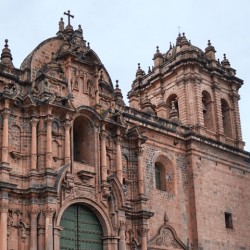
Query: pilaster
x,y
119,156
33,213
4,206
144,236
122,241
103,153
49,243
217,108
34,122
140,172
67,157
5,137
49,120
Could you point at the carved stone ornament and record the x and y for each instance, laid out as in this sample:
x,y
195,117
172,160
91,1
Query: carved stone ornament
x,y
166,239
68,186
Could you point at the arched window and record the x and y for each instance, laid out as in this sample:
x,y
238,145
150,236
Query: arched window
x,y
164,174
159,177
84,146
226,118
172,106
207,109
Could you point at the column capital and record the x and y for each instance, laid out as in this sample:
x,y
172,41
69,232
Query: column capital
x,y
49,119
118,139
103,134
49,211
67,124
140,151
143,231
6,113
123,225
34,211
34,121
4,206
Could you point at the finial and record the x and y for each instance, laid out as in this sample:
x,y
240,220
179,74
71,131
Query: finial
x,y
219,60
209,43
117,85
183,34
149,69
139,66
157,49
88,45
6,43
170,45
224,56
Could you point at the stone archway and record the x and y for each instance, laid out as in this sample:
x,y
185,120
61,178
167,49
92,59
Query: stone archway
x,y
82,229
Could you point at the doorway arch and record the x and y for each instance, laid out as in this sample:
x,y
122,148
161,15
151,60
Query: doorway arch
x,y
82,229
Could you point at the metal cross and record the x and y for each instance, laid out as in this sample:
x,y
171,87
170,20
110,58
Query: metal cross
x,y
69,16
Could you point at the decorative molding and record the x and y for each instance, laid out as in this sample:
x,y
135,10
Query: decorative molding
x,y
85,175
166,238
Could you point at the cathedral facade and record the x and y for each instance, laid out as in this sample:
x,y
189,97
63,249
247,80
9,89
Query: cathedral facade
x,y
82,170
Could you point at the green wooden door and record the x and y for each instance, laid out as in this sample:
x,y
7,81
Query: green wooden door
x,y
81,229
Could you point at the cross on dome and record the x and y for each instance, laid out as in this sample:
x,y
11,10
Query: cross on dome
x,y
69,16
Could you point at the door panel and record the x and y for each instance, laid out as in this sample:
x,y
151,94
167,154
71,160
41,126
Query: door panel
x,y
81,229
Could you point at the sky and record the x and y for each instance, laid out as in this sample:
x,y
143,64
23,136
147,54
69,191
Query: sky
x,y
125,33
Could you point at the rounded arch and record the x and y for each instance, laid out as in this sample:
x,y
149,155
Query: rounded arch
x,y
226,117
164,173
207,110
93,206
83,133
85,122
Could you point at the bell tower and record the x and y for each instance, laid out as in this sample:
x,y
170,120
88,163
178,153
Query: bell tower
x,y
190,87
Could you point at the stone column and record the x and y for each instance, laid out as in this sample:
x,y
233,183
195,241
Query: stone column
x,y
49,244
144,244
49,142
122,241
57,231
217,108
181,83
237,125
5,138
4,225
34,122
103,154
198,101
119,156
67,142
140,172
33,228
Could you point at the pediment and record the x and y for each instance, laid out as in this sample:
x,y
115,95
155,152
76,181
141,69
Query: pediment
x,y
166,239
